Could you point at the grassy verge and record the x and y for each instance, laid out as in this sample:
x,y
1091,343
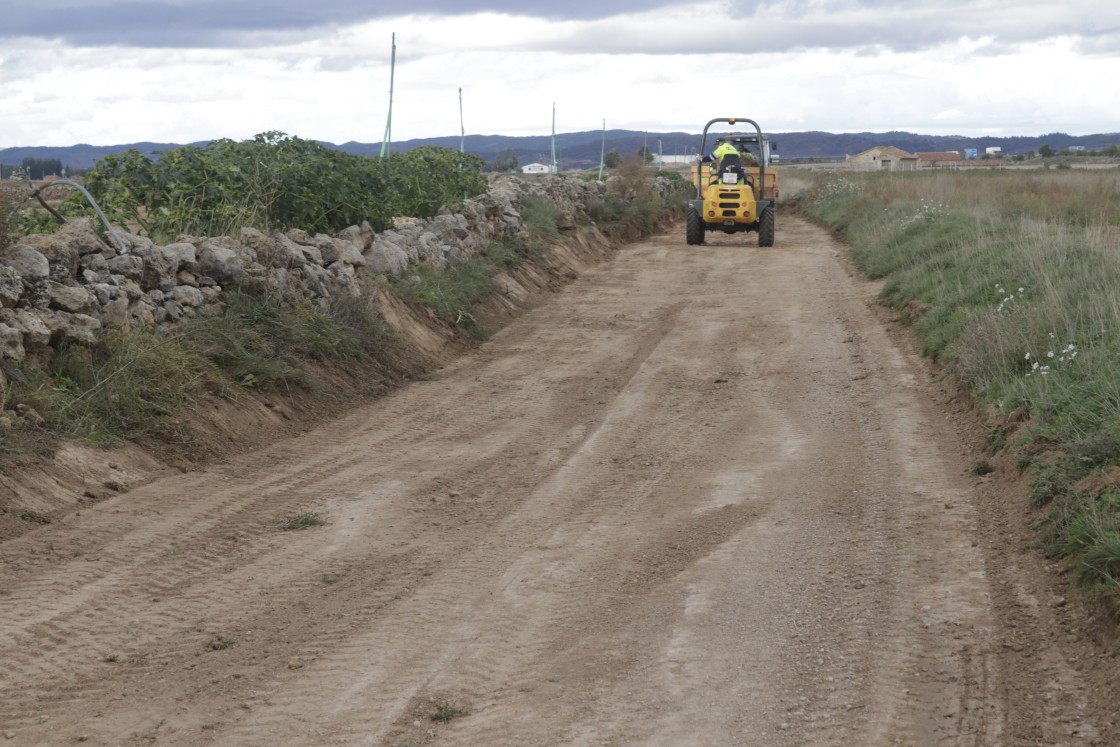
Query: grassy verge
x,y
139,385
1011,279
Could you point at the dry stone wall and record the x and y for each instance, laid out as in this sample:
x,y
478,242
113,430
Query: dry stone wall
x,y
72,286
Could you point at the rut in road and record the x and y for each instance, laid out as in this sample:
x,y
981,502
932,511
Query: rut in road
x,y
698,498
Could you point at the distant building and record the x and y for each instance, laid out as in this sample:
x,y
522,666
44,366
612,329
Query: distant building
x,y
938,159
1076,148
995,150
674,159
884,158
535,168
970,153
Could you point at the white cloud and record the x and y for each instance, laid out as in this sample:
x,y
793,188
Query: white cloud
x,y
994,65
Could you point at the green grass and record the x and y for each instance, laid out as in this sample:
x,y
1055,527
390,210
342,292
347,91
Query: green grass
x,y
447,711
451,292
504,254
144,384
541,216
1010,279
302,520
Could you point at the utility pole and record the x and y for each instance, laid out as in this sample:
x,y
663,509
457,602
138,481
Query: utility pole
x,y
462,127
388,138
555,166
602,150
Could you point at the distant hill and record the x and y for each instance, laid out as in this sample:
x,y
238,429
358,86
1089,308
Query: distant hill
x,y
582,149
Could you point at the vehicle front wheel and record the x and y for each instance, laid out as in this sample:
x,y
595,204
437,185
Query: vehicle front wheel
x,y
766,227
694,227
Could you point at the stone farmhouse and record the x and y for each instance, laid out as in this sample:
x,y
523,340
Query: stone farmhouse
x,y
883,158
889,158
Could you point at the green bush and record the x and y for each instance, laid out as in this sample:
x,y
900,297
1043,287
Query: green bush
x,y
274,182
633,206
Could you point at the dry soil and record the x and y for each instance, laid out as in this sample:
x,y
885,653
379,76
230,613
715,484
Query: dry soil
x,y
703,496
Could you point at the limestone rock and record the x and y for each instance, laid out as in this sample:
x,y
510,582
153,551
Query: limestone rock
x,y
75,299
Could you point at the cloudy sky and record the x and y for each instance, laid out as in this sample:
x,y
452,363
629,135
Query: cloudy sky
x,y
107,72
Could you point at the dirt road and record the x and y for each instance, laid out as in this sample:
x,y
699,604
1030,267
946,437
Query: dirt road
x,y
701,497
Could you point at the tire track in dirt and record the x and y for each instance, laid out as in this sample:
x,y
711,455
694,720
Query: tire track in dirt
x,y
519,531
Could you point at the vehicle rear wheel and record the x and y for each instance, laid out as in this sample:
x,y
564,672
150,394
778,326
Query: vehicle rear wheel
x,y
694,227
766,227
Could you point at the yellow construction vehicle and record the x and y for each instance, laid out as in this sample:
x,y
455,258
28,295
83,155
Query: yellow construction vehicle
x,y
737,194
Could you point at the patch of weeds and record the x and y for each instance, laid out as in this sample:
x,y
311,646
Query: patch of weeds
x,y
358,318
1092,539
541,216
997,440
1054,478
610,209
348,328
447,711
981,468
34,517
249,342
220,643
330,578
450,292
317,335
129,385
502,254
304,520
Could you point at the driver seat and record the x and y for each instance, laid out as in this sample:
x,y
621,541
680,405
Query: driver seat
x,y
733,164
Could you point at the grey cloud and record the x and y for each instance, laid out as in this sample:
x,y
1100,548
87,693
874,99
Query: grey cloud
x,y
219,23
745,26
868,27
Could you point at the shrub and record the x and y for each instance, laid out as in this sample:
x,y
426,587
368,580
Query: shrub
x,y
10,200
450,292
275,182
542,217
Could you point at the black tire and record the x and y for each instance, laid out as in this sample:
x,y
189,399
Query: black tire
x,y
694,227
766,227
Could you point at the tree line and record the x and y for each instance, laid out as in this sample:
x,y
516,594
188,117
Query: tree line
x,y
36,169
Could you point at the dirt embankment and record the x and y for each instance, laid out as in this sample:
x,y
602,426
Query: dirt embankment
x,y
701,496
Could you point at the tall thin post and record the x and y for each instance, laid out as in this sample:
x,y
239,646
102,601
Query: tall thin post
x,y
555,166
386,141
462,126
602,150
